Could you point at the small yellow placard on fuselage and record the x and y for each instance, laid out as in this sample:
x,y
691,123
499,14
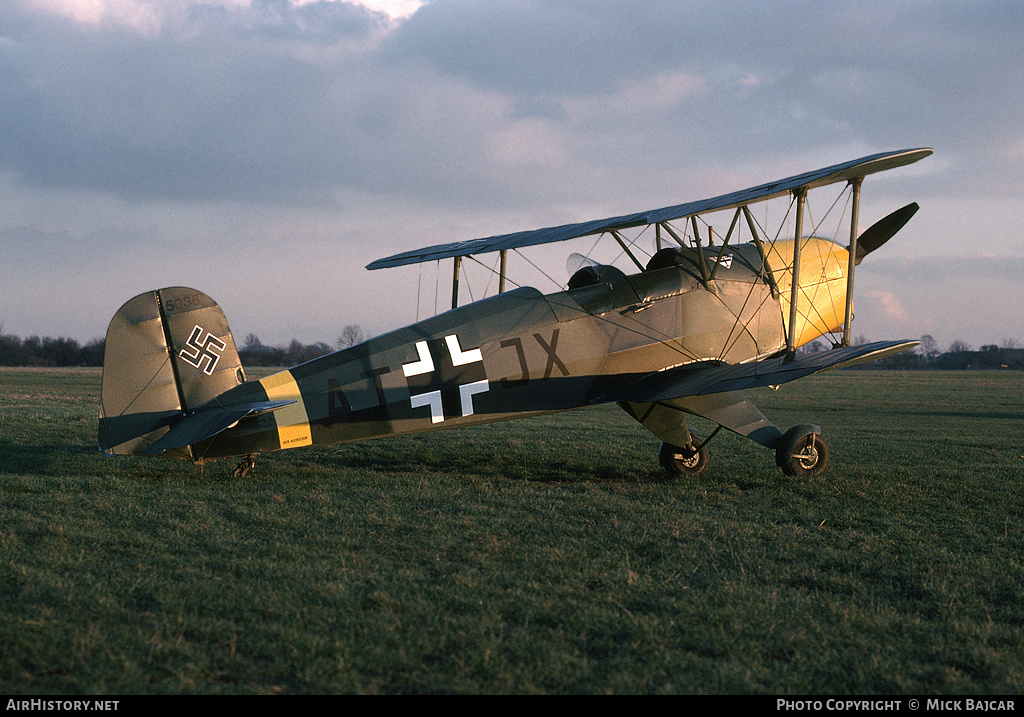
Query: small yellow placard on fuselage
x,y
292,421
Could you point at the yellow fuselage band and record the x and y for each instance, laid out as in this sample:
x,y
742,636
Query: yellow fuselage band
x,y
292,421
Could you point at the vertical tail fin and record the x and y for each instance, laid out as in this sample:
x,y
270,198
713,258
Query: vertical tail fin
x,y
167,352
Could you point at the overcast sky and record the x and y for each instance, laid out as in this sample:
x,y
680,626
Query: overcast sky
x,y
264,151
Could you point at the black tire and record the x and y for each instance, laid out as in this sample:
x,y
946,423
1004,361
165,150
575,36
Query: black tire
x,y
679,461
808,458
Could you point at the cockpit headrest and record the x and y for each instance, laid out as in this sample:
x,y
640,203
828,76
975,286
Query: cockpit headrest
x,y
591,274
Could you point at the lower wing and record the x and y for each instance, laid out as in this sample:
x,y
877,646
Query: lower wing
x,y
705,377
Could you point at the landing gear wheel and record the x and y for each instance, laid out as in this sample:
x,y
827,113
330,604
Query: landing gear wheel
x,y
245,468
809,457
679,461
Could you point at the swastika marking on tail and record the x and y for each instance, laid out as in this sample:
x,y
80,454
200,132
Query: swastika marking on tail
x,y
203,352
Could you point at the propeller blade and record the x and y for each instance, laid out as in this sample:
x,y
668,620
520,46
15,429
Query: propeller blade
x,y
883,230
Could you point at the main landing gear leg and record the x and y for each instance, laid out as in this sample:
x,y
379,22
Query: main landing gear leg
x,y
683,453
246,467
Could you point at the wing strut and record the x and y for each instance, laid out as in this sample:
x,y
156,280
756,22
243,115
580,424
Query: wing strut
x,y
700,254
800,194
856,184
766,272
625,248
501,271
725,243
455,282
458,267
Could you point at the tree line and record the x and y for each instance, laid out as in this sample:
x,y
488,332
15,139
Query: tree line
x,y
35,351
959,356
63,351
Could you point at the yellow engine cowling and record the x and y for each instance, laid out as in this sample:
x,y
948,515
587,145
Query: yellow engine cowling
x,y
821,296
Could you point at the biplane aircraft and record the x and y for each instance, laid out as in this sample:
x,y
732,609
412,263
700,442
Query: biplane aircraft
x,y
683,335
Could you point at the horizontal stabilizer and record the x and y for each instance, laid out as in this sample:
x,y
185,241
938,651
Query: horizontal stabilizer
x,y
712,377
209,422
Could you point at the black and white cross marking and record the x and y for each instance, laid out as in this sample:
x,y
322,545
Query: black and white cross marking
x,y
445,378
203,354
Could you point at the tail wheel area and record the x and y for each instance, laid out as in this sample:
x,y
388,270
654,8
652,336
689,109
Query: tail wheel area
x,y
245,468
808,457
680,461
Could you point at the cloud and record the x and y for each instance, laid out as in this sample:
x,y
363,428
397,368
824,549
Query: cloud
x,y
888,304
273,100
971,297
283,144
227,102
140,16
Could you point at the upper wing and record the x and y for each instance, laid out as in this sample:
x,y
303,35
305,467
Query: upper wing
x,y
837,173
708,377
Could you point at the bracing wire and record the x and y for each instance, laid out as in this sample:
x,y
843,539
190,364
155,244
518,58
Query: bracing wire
x,y
814,313
738,329
419,286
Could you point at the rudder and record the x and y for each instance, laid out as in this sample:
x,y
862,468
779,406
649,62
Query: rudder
x,y
167,352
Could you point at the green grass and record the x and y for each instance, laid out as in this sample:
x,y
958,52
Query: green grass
x,y
541,556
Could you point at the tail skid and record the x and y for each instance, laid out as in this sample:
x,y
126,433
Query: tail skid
x,y
167,352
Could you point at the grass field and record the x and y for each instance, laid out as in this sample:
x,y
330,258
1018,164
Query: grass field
x,y
549,555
